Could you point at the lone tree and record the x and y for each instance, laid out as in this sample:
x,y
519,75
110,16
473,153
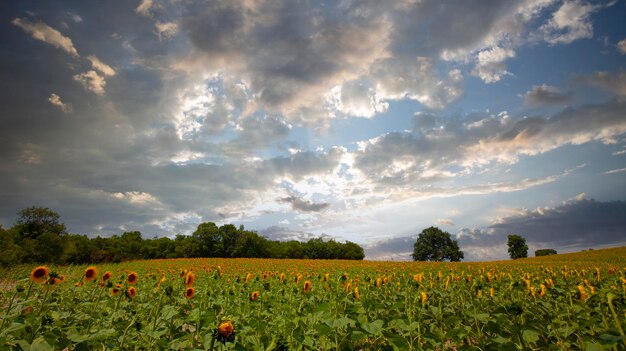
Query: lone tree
x,y
433,244
517,247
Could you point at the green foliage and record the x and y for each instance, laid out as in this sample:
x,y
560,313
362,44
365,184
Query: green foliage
x,y
433,244
545,252
517,246
35,221
532,304
39,236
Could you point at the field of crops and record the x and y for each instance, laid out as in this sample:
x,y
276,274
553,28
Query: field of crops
x,y
561,302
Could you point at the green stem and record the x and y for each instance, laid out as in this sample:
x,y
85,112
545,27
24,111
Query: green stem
x,y
93,308
126,331
610,298
6,315
212,343
156,313
28,291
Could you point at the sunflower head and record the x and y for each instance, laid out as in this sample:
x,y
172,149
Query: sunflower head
x,y
225,332
423,297
91,273
132,278
117,289
190,292
254,296
39,274
106,276
307,286
131,292
190,279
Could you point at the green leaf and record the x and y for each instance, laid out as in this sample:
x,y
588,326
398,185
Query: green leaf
x,y
374,328
39,344
610,339
530,336
483,317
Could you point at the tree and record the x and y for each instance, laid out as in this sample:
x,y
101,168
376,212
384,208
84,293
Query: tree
x,y
517,247
545,252
433,244
40,234
35,221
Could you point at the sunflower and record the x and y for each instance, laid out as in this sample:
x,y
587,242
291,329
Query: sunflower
x,y
307,286
91,273
254,295
225,332
39,274
54,281
106,276
249,276
225,329
117,289
131,292
190,292
132,278
161,281
356,293
423,298
190,279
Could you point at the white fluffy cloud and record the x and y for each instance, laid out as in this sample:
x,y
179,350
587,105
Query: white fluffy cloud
x,y
45,33
101,66
621,46
490,67
55,100
569,23
92,81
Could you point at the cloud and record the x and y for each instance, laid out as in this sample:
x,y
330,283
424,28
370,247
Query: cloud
x,y
579,223
299,204
546,95
569,23
438,146
166,30
290,55
393,249
92,81
286,234
416,79
45,33
55,100
136,197
144,7
621,46
490,67
613,82
101,66
445,222
620,170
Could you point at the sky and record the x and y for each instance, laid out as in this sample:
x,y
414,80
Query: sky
x,y
366,121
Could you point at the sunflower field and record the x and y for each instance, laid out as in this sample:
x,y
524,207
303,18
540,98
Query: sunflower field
x,y
560,302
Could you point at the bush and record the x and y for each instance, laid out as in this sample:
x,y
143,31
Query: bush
x,y
545,252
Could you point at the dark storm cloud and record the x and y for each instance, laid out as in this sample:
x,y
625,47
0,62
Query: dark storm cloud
x,y
287,234
302,205
577,224
546,95
397,249
573,226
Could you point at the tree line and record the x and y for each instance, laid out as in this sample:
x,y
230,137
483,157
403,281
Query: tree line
x,y
39,236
